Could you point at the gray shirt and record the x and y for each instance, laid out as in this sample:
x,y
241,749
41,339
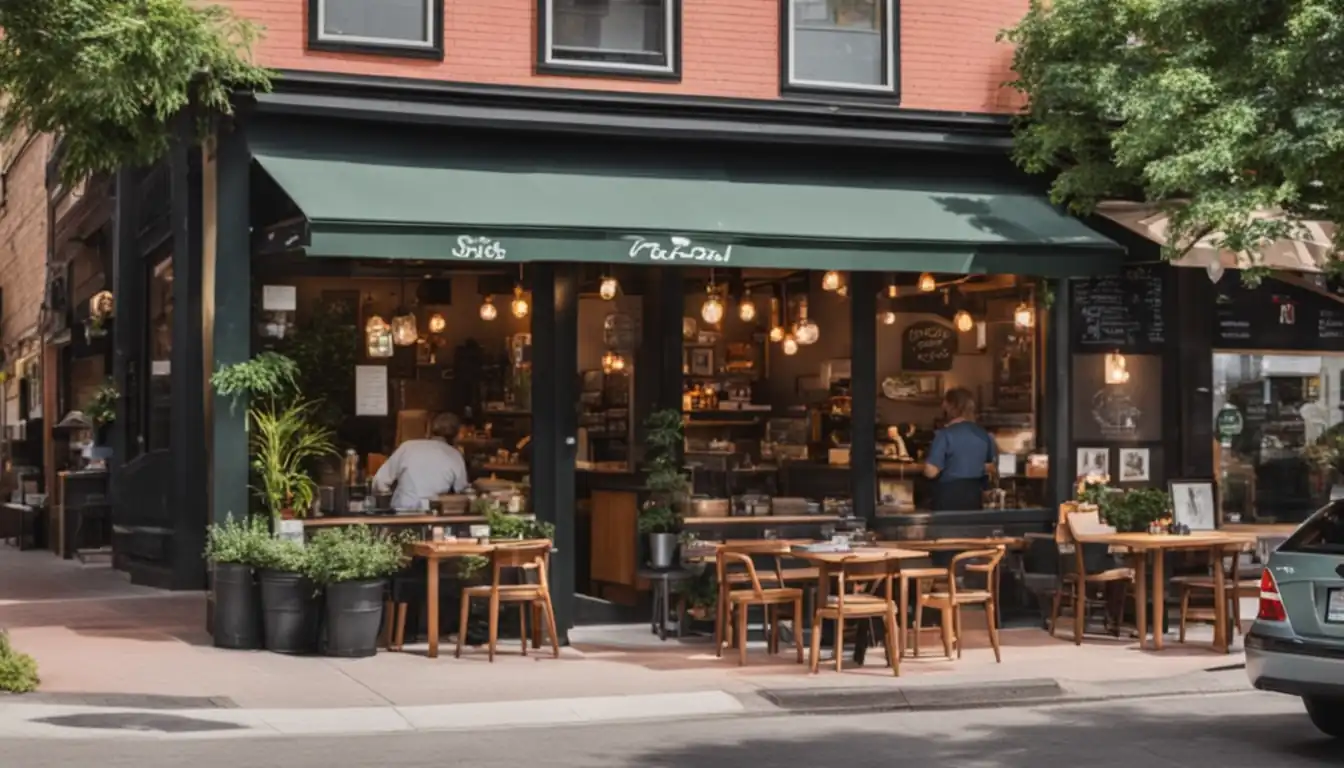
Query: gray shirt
x,y
421,470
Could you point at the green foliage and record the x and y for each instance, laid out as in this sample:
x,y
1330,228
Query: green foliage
x,y
18,671
1128,510
664,476
1328,450
701,591
283,442
102,407
356,553
502,526
278,554
269,376
324,349
237,541
1214,109
108,75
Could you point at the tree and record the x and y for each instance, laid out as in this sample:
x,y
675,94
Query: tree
x,y
1214,109
107,76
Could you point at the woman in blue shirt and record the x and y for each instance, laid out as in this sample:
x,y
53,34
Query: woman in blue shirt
x,y
961,458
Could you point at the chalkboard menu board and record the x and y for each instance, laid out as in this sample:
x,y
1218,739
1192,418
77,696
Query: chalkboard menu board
x,y
1277,316
928,346
1121,312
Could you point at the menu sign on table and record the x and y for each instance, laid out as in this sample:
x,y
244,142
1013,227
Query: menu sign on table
x,y
928,346
1277,315
1122,312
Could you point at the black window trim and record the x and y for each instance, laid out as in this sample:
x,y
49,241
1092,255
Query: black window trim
x,y
548,65
433,49
891,93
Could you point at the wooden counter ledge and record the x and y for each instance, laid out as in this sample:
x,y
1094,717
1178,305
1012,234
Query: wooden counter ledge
x,y
375,520
762,520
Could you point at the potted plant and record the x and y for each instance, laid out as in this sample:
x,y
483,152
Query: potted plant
x,y
1127,510
101,409
660,518
233,549
353,564
289,604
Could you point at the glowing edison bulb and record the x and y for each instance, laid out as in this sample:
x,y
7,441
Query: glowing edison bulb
x,y
746,310
519,304
1023,317
437,323
777,334
608,288
488,309
805,332
712,309
963,321
887,318
927,284
830,281
790,345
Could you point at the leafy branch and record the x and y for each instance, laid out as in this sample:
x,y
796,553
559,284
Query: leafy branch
x,y
664,476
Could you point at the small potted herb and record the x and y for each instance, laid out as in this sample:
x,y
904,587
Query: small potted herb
x,y
353,564
232,548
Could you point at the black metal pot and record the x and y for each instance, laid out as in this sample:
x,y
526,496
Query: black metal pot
x,y
237,620
290,611
354,616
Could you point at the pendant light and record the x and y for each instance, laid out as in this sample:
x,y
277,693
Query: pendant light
x,y
519,305
776,330
805,332
1117,368
887,318
963,321
437,323
404,331
927,284
488,309
377,335
843,290
1023,316
609,287
746,309
613,362
790,345
712,310
830,281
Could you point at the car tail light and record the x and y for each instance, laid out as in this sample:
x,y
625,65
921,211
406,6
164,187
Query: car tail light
x,y
1271,604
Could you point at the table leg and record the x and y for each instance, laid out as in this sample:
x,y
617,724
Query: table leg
x,y
905,608
1220,639
432,606
663,589
1159,596
653,622
1141,596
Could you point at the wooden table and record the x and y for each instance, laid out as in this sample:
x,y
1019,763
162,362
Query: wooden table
x,y
828,563
1140,545
1010,543
433,553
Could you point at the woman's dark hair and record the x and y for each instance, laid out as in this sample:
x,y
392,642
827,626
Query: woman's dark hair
x,y
959,403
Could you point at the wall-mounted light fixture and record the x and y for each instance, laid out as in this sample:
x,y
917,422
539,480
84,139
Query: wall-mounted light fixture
x,y
1117,369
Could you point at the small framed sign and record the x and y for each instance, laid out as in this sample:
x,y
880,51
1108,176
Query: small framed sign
x,y
1194,504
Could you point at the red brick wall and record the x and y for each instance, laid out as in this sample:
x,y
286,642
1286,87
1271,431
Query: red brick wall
x,y
949,59
23,235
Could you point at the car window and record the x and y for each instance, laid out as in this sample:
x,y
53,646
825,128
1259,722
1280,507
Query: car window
x,y
1323,532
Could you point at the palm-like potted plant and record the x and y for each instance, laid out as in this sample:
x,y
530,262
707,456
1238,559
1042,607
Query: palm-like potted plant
x,y
233,548
660,516
353,564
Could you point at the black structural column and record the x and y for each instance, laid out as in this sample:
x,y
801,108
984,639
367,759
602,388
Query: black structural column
x,y
188,498
555,327
128,286
658,361
230,265
863,287
1059,390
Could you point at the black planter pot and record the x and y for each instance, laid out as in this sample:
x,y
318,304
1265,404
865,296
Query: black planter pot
x,y
290,611
354,616
237,607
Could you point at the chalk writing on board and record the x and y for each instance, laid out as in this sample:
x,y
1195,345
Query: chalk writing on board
x,y
1123,311
928,346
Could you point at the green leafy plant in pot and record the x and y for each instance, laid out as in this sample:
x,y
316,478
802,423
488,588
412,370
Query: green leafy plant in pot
x,y
353,565
660,517
233,549
289,597
101,410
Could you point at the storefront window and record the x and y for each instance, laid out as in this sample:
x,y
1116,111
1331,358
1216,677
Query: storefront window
x,y
1280,443
160,348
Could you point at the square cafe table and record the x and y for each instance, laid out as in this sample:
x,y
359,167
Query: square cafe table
x,y
434,552
1139,545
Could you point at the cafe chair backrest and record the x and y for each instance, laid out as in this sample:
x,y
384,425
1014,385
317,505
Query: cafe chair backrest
x,y
532,554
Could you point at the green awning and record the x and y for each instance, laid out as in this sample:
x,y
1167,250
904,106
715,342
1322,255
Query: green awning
x,y
410,196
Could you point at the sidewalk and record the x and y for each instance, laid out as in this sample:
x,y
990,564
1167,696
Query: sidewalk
x,y
105,647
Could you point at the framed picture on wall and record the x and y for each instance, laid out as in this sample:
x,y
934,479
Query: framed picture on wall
x,y
1194,504
1135,465
701,361
1094,462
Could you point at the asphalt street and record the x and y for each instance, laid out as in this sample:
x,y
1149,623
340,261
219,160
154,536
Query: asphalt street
x,y
1229,731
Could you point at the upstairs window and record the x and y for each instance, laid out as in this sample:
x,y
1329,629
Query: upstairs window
x,y
840,45
637,37
395,27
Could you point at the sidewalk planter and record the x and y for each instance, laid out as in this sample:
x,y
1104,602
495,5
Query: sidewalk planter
x,y
290,609
354,617
237,619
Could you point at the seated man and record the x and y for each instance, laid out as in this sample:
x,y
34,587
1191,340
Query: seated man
x,y
421,470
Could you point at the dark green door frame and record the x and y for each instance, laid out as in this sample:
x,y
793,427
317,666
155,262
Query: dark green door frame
x,y
863,289
1059,388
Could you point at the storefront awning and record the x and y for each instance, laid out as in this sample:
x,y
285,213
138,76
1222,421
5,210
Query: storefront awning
x,y
406,197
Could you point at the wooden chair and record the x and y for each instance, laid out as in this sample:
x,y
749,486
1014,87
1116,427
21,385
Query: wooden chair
x,y
735,602
950,601
1088,590
843,605
528,555
728,575
1235,585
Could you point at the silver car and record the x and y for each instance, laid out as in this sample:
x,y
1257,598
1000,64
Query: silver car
x,y
1296,645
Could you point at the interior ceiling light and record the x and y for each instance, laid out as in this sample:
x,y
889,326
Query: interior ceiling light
x,y
488,309
712,310
963,321
887,318
830,281
1023,316
609,288
805,332
790,345
746,310
437,323
519,304
927,284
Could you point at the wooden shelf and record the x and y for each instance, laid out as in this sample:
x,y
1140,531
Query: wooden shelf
x,y
762,520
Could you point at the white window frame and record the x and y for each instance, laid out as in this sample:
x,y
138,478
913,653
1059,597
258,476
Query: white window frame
x,y
382,42
889,42
670,10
